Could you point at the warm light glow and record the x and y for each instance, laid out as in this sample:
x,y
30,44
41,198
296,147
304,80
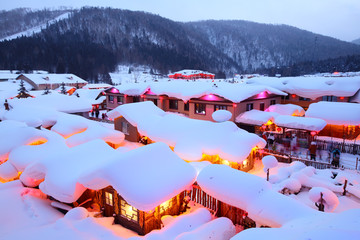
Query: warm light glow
x,y
293,95
234,105
245,163
80,131
269,122
341,98
114,90
262,95
38,142
313,133
226,162
336,73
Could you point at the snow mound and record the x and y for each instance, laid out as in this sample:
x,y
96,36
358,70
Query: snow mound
x,y
330,199
221,115
220,229
77,213
269,162
286,109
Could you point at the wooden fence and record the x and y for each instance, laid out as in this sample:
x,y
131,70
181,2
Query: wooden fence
x,y
285,158
199,196
351,148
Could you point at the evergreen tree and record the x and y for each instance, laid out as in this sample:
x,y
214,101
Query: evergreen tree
x,y
22,90
62,89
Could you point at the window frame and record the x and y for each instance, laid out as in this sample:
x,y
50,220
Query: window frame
x,y
196,108
109,198
173,104
219,107
111,98
249,106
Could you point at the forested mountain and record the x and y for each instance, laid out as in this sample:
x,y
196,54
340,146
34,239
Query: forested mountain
x,y
357,41
21,19
93,41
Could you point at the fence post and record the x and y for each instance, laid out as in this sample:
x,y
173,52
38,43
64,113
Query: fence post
x,y
357,161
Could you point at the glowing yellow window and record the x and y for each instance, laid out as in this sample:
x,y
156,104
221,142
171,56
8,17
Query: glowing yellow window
x,y
109,199
129,211
165,206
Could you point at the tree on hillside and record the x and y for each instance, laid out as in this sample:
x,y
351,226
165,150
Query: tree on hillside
x,y
62,88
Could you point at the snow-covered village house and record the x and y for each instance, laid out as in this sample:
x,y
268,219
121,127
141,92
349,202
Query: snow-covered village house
x,y
305,90
188,74
52,81
193,140
197,100
343,119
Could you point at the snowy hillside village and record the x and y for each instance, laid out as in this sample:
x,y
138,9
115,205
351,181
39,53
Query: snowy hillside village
x,y
183,156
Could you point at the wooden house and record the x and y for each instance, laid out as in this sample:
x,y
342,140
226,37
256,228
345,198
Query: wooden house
x,y
52,81
191,75
144,122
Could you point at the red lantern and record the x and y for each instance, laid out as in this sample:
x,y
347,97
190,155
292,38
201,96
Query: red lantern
x,y
278,129
313,133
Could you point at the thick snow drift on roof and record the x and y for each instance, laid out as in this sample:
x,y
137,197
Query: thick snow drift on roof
x,y
136,182
256,117
221,115
55,78
305,123
62,170
90,95
95,165
286,109
253,194
336,113
59,102
190,138
312,86
186,90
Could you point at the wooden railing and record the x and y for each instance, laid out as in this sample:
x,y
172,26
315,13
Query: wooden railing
x,y
285,158
344,147
199,196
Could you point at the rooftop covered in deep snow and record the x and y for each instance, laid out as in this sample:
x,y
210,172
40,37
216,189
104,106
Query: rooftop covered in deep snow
x,y
190,138
312,86
95,165
186,90
336,113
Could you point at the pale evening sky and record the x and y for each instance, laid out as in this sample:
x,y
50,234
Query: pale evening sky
x,y
335,18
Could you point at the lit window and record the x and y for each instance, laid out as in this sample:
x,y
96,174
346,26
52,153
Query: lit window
x,y
173,104
200,108
165,206
111,98
220,107
128,211
109,199
249,106
125,128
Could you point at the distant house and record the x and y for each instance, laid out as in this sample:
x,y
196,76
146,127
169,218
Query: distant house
x,y
52,81
191,75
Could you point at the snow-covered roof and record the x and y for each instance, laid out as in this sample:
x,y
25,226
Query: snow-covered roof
x,y
256,117
336,113
97,86
95,165
90,95
286,109
305,123
190,138
312,86
58,102
187,72
186,90
53,78
252,194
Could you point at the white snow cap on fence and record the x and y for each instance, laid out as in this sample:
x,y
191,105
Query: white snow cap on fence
x,y
336,113
269,161
330,199
221,115
190,138
286,109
